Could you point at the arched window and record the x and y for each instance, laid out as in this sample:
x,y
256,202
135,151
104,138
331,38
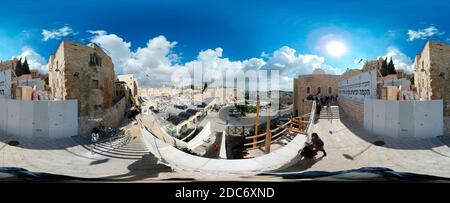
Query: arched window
x,y
308,90
329,90
318,90
94,59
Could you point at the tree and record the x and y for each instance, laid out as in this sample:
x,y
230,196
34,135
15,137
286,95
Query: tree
x,y
384,68
22,68
391,67
18,69
25,67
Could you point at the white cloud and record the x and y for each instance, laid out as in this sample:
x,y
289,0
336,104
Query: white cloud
x,y
156,63
423,33
152,65
400,60
291,65
56,33
35,61
118,49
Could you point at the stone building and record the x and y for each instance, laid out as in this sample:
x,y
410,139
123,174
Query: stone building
x,y
312,84
431,75
9,64
131,83
350,73
82,72
370,65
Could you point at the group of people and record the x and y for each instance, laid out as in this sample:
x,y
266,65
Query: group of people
x,y
311,148
95,133
323,101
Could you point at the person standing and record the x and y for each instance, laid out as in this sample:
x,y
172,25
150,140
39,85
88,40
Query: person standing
x,y
318,108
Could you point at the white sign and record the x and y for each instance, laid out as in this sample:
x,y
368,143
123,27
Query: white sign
x,y
359,87
5,84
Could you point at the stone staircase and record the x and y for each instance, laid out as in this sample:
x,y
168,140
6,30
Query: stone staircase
x,y
122,147
330,114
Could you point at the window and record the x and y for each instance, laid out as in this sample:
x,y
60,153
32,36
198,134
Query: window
x,y
329,90
308,90
95,60
318,90
94,84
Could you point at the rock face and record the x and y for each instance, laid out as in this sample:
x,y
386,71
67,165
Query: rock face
x,y
431,75
82,72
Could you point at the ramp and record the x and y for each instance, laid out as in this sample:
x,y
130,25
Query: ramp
x,y
181,161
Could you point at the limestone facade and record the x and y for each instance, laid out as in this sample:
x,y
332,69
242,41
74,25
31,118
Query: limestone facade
x,y
370,65
130,82
353,110
312,84
82,72
9,64
431,75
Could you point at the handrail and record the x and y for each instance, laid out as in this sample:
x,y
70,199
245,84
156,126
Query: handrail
x,y
274,136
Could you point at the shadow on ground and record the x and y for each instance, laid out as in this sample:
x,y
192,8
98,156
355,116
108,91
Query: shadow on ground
x,y
301,165
147,167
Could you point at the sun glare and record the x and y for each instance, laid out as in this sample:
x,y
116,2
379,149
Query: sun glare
x,y
336,48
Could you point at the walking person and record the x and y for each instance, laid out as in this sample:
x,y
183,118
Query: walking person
x,y
318,144
318,108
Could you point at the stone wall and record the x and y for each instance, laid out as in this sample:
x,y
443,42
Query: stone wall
x,y
74,74
447,124
110,117
353,110
432,75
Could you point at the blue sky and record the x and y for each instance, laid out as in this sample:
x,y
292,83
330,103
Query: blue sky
x,y
240,29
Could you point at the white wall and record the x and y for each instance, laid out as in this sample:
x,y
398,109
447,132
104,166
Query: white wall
x,y
359,87
404,119
5,84
39,119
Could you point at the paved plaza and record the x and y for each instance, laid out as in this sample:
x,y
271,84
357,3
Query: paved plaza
x,y
348,147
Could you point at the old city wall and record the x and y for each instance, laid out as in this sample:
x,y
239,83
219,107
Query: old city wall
x,y
353,110
77,59
110,117
439,75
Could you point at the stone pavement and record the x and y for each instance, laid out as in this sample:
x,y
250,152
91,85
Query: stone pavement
x,y
350,146
119,160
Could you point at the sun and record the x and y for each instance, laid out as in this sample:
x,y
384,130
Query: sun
x,y
336,48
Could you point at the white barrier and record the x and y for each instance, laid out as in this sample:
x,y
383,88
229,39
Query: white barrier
x,y
404,119
202,135
178,160
40,119
223,146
